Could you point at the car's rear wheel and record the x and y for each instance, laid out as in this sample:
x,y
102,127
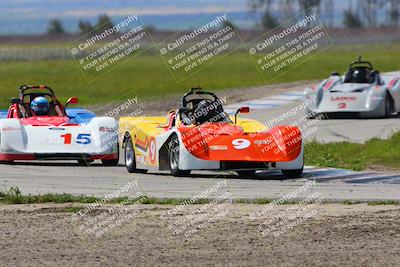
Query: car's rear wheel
x,y
130,157
85,162
388,107
111,162
247,174
293,173
173,158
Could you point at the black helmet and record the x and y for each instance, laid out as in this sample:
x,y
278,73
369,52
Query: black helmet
x,y
208,111
360,75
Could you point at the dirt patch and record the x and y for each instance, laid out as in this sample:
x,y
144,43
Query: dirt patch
x,y
339,235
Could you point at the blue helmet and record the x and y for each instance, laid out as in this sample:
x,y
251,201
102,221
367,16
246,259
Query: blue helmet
x,y
40,106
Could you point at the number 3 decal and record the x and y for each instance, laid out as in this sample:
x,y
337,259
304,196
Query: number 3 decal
x,y
240,143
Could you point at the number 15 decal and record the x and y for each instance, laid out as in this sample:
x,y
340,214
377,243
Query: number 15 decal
x,y
82,139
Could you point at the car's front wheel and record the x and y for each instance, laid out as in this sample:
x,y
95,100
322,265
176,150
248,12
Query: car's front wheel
x,y
290,174
173,158
130,157
247,174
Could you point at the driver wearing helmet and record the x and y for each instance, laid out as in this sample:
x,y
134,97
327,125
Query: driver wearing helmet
x,y
209,111
360,75
40,106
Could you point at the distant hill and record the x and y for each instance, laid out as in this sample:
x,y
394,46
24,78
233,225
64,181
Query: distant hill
x,y
32,16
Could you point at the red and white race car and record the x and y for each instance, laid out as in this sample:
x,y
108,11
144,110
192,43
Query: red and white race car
x,y
62,134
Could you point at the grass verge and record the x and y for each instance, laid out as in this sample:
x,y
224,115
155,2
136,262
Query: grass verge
x,y
14,196
375,153
148,76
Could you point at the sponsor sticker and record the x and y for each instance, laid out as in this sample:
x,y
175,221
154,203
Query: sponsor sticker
x,y
10,129
344,98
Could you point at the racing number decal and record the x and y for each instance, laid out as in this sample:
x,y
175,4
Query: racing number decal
x,y
152,149
81,139
240,143
67,138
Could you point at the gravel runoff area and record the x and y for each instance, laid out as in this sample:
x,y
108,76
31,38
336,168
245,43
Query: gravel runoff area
x,y
337,235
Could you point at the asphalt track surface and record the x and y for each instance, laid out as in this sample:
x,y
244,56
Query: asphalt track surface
x,y
332,184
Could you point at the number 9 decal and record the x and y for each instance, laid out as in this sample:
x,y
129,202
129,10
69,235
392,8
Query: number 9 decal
x,y
240,143
152,150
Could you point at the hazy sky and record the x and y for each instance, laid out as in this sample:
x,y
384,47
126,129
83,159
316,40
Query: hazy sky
x,y
82,8
32,16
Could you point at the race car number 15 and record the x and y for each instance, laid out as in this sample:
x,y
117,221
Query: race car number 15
x,y
81,139
57,138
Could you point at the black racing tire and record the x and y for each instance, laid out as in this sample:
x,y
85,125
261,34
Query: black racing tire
x,y
291,174
84,162
173,158
130,157
246,174
111,162
388,107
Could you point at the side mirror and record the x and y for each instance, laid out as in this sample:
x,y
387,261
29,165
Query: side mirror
x,y
72,100
241,110
335,73
15,100
244,110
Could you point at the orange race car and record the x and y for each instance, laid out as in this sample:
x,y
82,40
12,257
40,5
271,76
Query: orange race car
x,y
200,135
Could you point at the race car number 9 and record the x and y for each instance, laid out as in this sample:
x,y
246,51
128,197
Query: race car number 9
x,y
240,143
152,150
81,139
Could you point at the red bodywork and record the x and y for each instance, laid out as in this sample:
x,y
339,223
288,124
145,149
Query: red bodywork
x,y
46,121
227,142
